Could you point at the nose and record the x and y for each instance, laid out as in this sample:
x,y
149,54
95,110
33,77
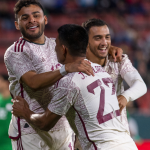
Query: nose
x,y
31,19
104,41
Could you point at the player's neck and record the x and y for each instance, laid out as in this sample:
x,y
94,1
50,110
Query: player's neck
x,y
94,59
40,40
97,60
73,59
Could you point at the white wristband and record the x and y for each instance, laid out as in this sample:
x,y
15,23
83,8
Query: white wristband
x,y
63,70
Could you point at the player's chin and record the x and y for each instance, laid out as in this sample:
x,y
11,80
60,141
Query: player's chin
x,y
33,32
103,55
33,35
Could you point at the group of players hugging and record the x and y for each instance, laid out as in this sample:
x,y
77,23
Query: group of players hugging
x,y
68,92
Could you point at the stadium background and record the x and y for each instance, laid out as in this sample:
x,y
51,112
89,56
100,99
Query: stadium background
x,y
129,23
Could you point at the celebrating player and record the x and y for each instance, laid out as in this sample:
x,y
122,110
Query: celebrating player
x,y
97,52
31,63
89,103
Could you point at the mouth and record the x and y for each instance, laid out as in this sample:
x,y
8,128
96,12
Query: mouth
x,y
103,50
33,27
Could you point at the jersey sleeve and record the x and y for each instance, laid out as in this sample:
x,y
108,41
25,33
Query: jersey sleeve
x,y
18,63
133,79
62,100
126,66
137,86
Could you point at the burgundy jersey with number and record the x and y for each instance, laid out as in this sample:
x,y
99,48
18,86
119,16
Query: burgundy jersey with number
x,y
91,107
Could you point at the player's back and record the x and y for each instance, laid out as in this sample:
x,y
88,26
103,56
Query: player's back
x,y
97,116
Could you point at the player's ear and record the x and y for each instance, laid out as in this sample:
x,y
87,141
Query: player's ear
x,y
45,19
88,46
87,50
16,25
65,50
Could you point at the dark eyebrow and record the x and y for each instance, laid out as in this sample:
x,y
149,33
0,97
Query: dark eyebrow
x,y
35,12
32,13
24,15
100,35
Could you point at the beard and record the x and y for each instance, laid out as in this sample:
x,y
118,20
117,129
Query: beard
x,y
33,36
96,54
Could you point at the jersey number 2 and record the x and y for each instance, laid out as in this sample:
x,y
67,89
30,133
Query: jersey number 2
x,y
91,87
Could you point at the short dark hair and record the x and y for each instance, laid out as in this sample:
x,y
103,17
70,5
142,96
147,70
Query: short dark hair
x,y
93,22
75,38
25,3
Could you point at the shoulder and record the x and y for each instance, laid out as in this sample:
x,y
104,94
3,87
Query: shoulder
x,y
19,46
125,57
126,66
51,41
125,60
50,45
66,81
11,49
97,68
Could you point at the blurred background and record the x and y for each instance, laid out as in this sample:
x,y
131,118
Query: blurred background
x,y
129,23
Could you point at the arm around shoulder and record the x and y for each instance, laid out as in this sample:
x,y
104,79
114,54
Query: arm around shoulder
x,y
38,81
133,79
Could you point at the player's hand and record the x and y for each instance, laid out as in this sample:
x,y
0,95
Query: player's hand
x,y
19,106
116,53
80,66
122,102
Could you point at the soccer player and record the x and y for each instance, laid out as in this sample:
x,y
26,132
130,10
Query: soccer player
x,y
97,52
33,67
89,103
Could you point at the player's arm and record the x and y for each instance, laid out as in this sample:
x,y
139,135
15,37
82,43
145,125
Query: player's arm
x,y
116,53
44,121
137,87
38,81
20,64
63,98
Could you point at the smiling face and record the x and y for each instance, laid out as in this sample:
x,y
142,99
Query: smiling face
x,y
31,22
99,42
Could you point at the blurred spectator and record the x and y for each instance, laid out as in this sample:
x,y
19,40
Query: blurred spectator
x,y
86,3
5,113
53,6
6,22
